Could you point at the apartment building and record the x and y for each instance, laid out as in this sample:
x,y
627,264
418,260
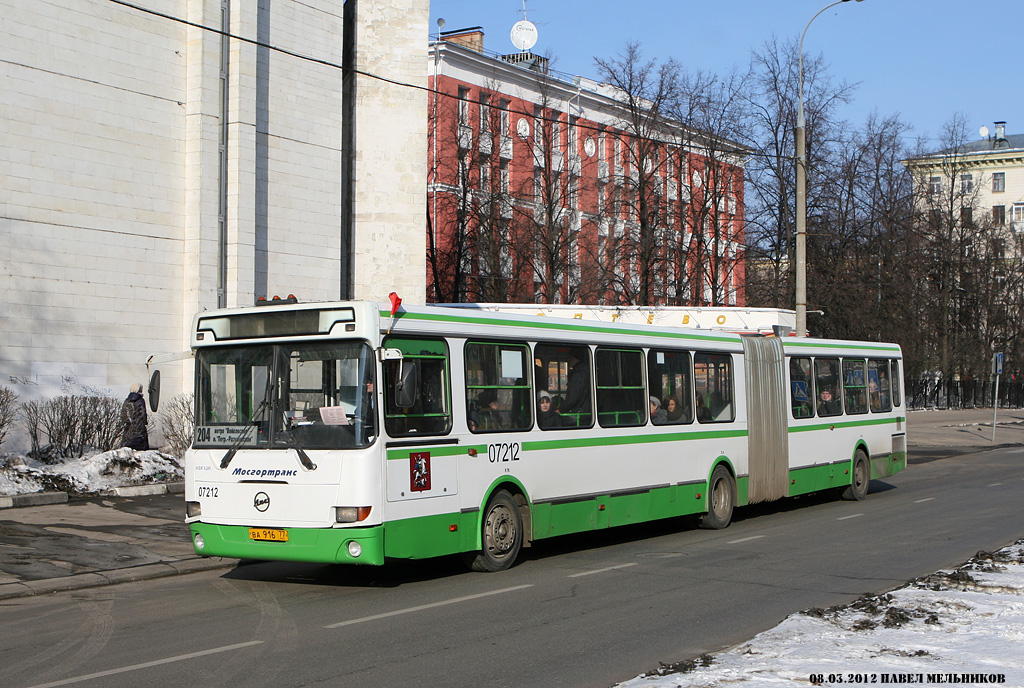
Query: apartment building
x,y
543,187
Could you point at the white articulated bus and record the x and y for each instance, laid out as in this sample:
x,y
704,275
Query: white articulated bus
x,y
345,433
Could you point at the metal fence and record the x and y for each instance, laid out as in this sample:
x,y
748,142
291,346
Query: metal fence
x,y
963,394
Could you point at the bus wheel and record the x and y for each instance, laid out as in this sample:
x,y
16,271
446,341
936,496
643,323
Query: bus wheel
x,y
858,488
721,491
501,536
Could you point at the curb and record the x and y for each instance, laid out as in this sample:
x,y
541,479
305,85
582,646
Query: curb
x,y
33,499
146,490
126,575
43,498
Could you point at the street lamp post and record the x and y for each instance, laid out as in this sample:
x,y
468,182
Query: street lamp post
x,y
801,190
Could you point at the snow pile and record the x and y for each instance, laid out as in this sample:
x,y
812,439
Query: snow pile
x,y
88,475
961,627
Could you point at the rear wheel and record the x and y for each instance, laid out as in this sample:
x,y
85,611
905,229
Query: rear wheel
x,y
721,500
860,480
501,535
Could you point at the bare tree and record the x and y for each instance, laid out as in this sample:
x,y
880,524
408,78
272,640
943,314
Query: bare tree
x,y
646,90
8,411
548,225
771,172
448,228
711,113
973,260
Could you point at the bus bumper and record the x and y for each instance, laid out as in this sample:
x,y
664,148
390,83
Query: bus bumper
x,y
321,545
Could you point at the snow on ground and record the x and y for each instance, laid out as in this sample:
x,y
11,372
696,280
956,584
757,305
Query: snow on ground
x,y
88,475
962,627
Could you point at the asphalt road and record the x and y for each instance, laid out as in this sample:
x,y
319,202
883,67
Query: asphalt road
x,y
579,611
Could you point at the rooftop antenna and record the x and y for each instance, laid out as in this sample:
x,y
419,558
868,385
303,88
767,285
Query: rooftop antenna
x,y
524,33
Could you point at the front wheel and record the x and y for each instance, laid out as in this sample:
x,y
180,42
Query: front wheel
x,y
721,500
859,481
501,535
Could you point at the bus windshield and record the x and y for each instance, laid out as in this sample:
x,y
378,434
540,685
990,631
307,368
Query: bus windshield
x,y
294,395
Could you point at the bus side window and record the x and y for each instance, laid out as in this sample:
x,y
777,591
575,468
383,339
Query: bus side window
x,y
671,382
712,379
801,387
879,395
563,370
621,394
498,396
826,382
895,381
854,386
428,409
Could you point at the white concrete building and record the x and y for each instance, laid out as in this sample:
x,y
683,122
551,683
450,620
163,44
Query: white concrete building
x,y
179,155
985,177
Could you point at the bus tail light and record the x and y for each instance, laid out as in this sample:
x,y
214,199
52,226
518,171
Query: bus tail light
x,y
351,514
193,509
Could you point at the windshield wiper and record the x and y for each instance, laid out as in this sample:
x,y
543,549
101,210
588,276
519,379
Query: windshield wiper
x,y
303,456
242,436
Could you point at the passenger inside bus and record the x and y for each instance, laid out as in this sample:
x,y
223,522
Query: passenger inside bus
x,y
658,415
703,413
488,414
673,410
827,404
547,416
577,392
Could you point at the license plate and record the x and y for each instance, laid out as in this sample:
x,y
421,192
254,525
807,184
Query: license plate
x,y
268,534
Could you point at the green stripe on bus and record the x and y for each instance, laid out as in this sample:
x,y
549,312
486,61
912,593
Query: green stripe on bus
x,y
577,443
846,424
548,325
444,450
835,345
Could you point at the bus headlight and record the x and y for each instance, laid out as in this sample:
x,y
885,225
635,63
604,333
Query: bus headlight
x,y
351,514
200,542
354,549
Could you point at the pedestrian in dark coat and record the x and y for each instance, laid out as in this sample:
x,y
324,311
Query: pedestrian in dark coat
x,y
134,420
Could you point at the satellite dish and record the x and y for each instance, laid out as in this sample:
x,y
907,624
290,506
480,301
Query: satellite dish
x,y
524,35
983,131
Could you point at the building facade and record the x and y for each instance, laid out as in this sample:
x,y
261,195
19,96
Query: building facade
x,y
549,188
162,160
980,182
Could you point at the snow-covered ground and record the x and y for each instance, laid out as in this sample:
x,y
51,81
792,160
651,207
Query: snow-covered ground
x,y
88,475
963,627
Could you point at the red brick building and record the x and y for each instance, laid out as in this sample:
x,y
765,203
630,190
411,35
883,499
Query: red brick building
x,y
549,188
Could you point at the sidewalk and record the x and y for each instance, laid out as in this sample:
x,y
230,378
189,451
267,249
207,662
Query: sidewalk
x,y
963,431
52,544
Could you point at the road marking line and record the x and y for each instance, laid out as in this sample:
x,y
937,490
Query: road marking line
x,y
926,499
609,568
843,518
995,484
746,539
1016,451
432,605
144,665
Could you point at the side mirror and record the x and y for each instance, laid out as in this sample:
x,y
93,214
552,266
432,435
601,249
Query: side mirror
x,y
407,385
154,390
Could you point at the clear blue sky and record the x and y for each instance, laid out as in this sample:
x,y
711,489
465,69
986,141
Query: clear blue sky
x,y
921,59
